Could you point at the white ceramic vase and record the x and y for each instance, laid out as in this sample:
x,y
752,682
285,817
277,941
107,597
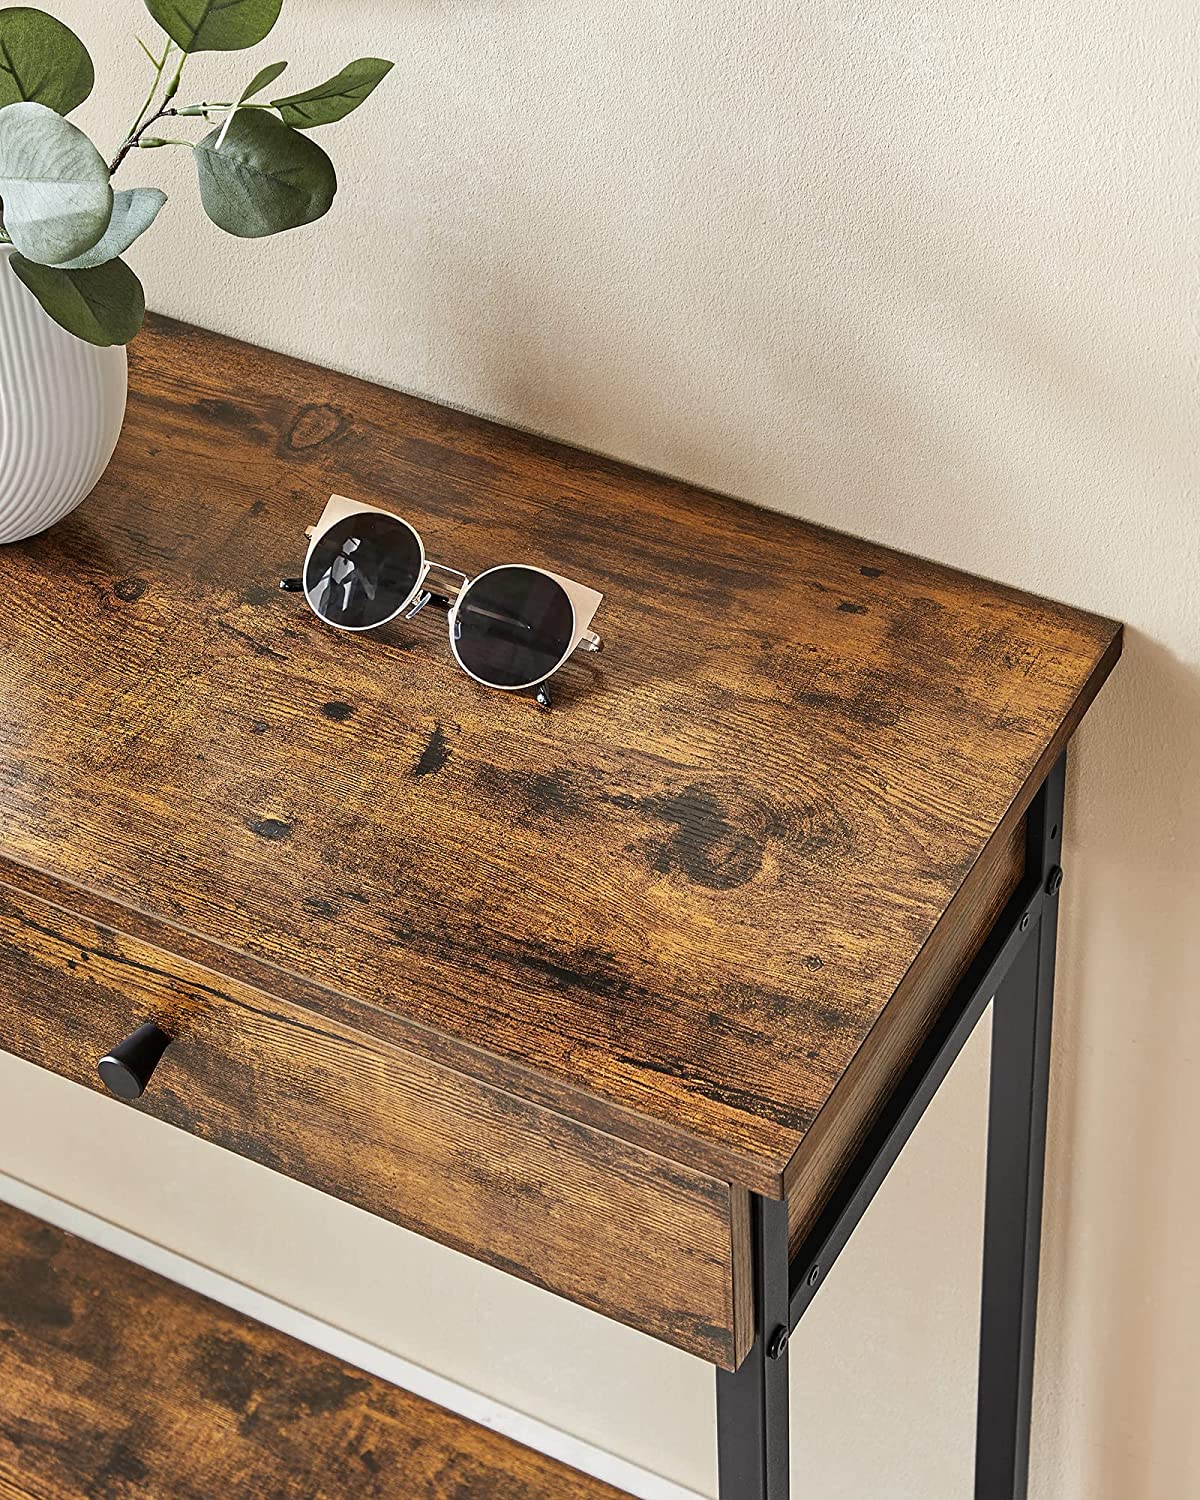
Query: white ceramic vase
x,y
62,403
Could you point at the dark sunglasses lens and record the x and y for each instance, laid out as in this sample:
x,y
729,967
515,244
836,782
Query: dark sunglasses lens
x,y
513,627
361,571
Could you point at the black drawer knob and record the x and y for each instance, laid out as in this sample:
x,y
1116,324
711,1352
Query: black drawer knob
x,y
127,1068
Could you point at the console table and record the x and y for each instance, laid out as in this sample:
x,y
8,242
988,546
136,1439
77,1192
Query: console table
x,y
637,999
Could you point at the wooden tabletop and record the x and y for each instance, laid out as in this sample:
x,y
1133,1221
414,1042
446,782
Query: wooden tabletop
x,y
676,906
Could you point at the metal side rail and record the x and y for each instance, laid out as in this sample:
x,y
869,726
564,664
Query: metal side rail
x,y
1015,967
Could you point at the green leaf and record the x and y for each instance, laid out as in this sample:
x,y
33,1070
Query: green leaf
x,y
256,85
334,99
134,210
260,80
215,25
265,177
42,60
102,305
54,184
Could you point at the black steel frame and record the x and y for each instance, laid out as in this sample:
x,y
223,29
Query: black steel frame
x,y
1015,965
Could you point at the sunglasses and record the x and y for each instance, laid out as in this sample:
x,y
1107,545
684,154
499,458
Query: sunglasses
x,y
511,627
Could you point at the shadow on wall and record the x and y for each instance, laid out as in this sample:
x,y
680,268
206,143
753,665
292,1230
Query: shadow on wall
x,y
879,393
1121,1280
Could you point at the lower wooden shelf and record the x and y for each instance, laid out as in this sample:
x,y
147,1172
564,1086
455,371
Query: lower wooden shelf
x,y
115,1383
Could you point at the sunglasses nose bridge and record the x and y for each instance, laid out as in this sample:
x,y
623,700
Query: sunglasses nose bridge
x,y
444,582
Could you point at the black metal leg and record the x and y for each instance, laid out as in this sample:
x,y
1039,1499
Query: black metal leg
x,y
752,1404
1020,1076
1015,962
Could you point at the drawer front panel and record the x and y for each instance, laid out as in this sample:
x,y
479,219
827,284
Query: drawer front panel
x,y
604,1223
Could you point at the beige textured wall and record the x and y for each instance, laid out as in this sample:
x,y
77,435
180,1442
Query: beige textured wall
x,y
924,270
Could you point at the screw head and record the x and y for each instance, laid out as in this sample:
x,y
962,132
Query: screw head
x,y
778,1342
1054,881
814,1276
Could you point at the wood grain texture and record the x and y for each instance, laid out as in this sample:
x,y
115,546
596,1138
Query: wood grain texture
x,y
674,908
926,988
581,1213
115,1384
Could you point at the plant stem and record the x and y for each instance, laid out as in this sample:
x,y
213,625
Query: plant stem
x,y
133,139
206,107
173,86
159,65
144,119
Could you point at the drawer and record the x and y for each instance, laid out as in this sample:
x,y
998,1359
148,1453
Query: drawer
x,y
507,1181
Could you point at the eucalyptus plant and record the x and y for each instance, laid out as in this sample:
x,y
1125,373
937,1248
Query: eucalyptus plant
x,y
259,171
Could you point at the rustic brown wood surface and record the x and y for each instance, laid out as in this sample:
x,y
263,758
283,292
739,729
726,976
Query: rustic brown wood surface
x,y
116,1383
925,989
557,1203
676,907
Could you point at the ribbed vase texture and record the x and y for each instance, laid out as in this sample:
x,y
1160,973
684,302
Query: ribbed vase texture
x,y
62,403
